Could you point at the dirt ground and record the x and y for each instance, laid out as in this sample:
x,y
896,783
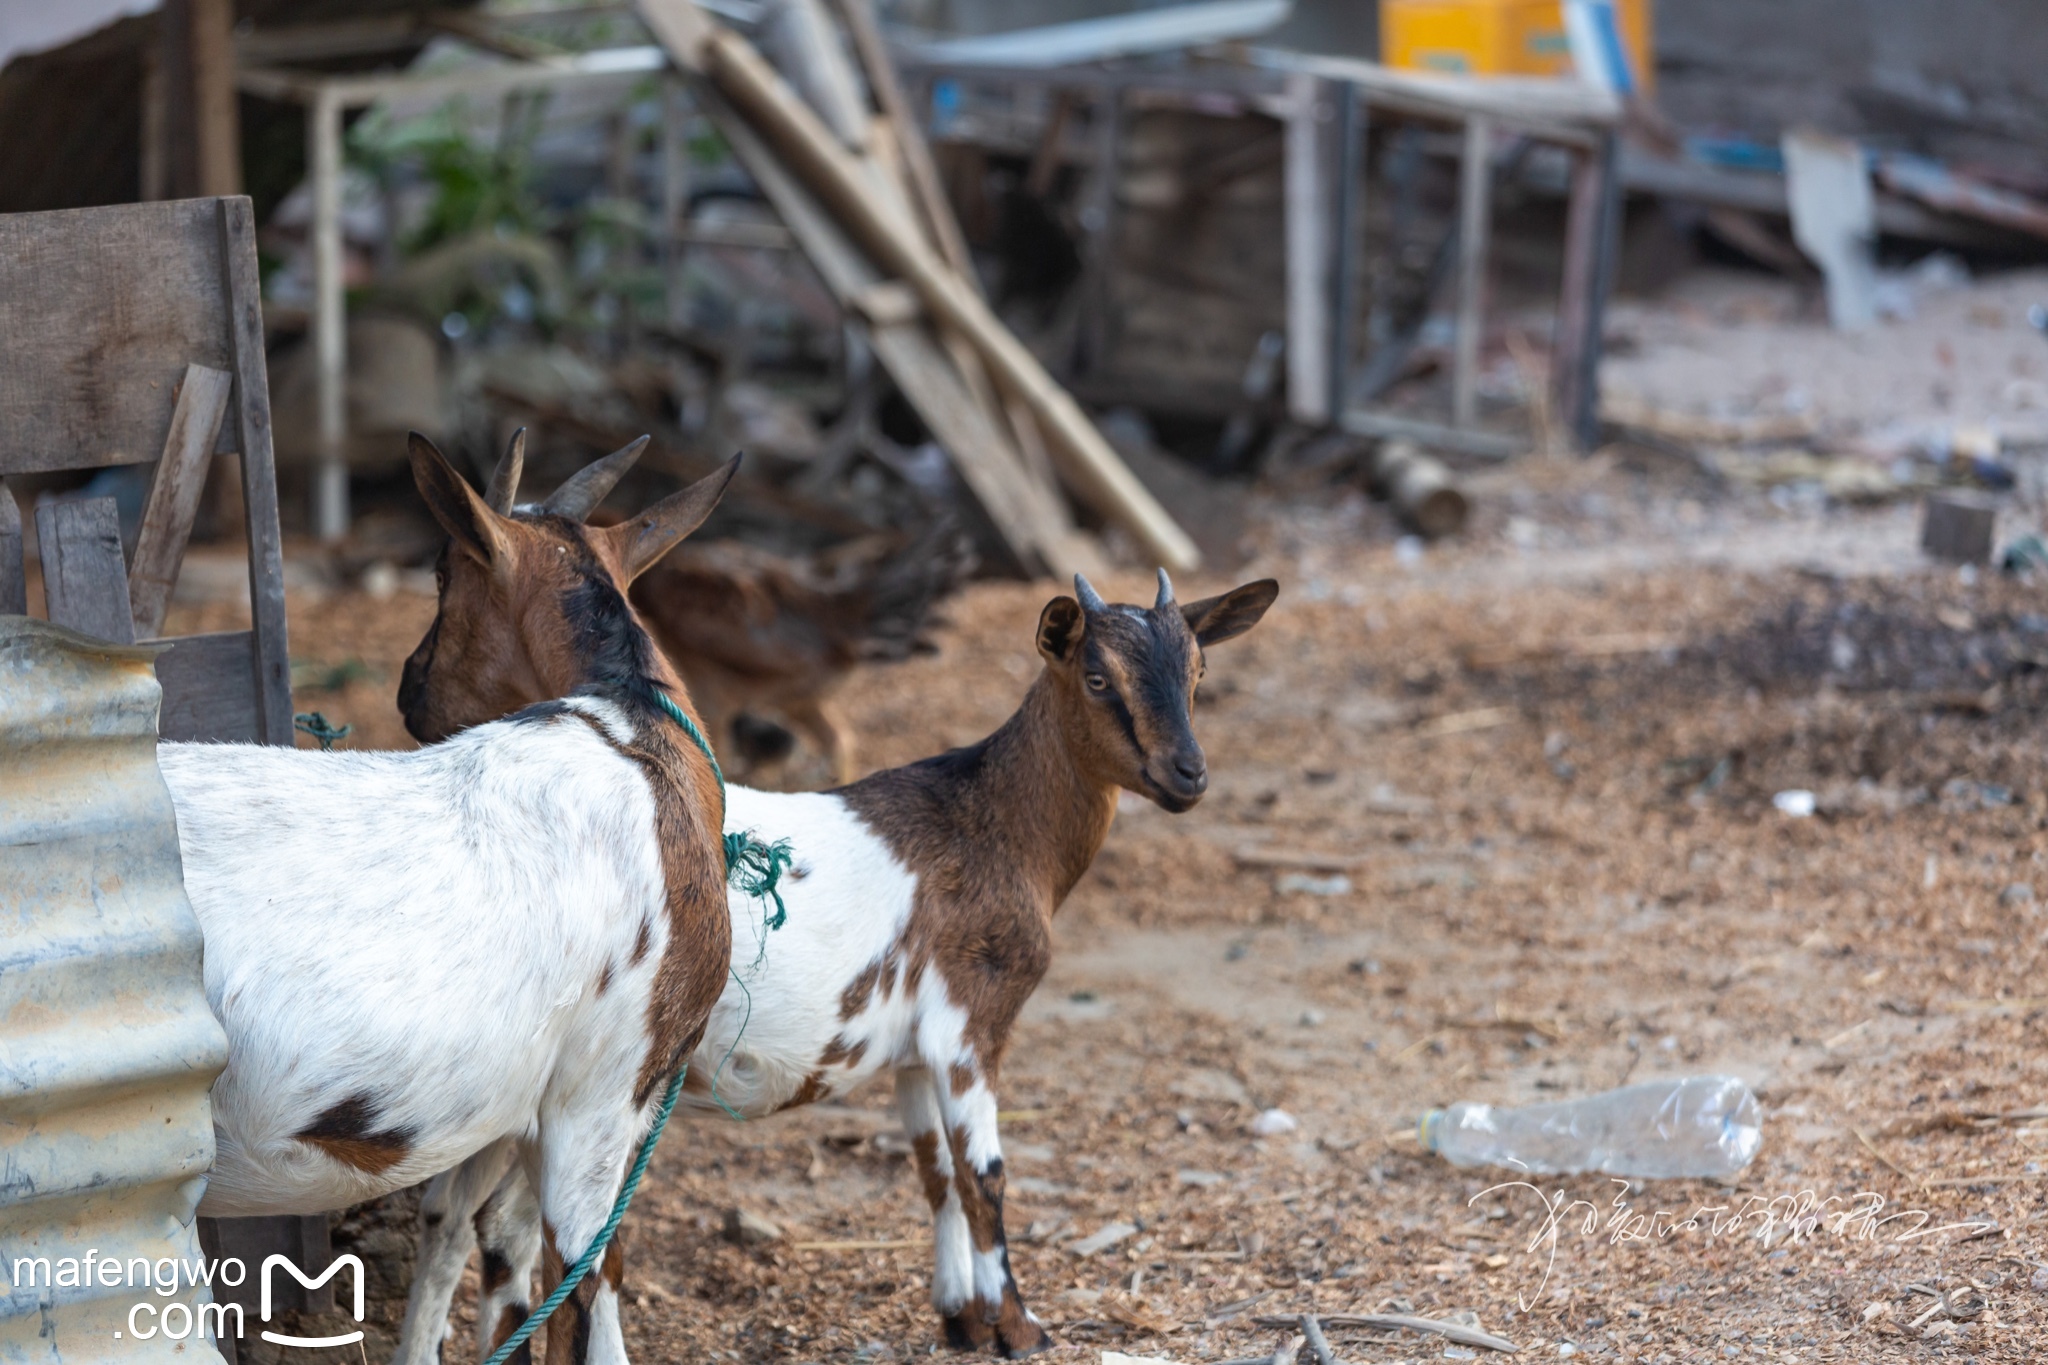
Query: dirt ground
x,y
1543,761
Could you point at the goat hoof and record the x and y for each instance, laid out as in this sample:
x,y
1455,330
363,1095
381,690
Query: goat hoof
x,y
966,1332
1027,1346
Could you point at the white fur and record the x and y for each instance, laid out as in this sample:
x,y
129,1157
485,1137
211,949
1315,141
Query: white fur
x,y
425,932
849,900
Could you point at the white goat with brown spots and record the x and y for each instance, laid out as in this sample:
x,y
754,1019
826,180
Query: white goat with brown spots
x,y
920,907
504,945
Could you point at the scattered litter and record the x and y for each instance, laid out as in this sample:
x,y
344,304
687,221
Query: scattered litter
x,y
1796,802
1698,1126
1963,794
748,1229
1119,1358
1200,1180
1103,1239
1274,1123
1337,884
2019,893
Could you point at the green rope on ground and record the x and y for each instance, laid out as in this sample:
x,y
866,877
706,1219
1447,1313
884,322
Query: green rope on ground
x,y
315,724
604,1234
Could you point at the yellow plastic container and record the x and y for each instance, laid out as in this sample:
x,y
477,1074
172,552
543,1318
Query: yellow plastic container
x,y
1500,37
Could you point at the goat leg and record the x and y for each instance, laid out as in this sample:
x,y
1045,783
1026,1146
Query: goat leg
x,y
446,1206
968,1107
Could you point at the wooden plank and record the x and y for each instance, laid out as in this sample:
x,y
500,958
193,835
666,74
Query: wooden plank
x,y
174,494
109,306
1305,186
1028,517
13,569
1098,220
84,581
235,257
763,100
206,688
929,196
1484,445
1475,223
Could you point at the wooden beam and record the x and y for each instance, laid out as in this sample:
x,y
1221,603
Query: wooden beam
x,y
83,580
763,100
1475,221
929,196
174,495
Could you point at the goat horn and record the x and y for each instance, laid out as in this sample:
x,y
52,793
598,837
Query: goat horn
x,y
1165,591
1091,600
586,488
504,489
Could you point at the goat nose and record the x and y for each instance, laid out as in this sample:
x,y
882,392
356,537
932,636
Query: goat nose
x,y
1192,768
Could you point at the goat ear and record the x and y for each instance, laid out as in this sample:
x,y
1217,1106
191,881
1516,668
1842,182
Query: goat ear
x,y
1060,628
1216,619
647,537
466,518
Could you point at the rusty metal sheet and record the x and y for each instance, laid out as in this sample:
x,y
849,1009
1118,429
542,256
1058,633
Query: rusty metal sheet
x,y
107,1047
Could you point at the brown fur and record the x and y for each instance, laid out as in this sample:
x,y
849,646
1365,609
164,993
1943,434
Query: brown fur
x,y
810,1092
348,1132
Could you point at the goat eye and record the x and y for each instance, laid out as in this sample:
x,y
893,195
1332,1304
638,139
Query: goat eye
x,y
1097,683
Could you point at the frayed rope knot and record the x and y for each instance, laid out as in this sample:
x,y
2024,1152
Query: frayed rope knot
x,y
756,868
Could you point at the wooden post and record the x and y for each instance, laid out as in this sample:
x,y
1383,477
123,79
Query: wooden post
x,y
1098,220
1475,218
675,195
330,320
201,124
1591,225
270,653
1305,177
1344,266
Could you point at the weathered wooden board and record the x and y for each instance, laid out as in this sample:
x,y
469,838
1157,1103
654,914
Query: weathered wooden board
x,y
117,302
13,572
84,580
208,688
174,494
235,233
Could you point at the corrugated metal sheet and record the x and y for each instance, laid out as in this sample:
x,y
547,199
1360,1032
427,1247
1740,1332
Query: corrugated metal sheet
x,y
107,1048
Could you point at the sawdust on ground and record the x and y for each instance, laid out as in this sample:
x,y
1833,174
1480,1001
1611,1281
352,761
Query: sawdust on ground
x,y
1550,792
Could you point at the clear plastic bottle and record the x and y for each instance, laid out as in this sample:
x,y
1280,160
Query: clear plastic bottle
x,y
1697,1126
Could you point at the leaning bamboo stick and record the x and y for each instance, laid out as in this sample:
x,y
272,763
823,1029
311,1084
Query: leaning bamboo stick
x,y
765,101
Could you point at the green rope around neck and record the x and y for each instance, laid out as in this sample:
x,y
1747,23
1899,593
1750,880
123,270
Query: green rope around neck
x,y
755,868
